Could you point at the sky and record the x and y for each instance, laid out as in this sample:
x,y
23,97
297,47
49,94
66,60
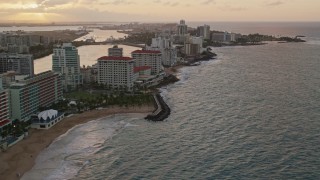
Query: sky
x,y
47,11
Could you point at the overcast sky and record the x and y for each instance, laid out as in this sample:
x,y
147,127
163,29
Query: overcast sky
x,y
158,10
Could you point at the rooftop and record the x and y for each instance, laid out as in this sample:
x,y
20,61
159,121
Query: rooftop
x,y
110,58
146,52
141,68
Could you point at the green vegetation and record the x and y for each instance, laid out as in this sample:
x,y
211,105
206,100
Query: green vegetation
x,y
142,38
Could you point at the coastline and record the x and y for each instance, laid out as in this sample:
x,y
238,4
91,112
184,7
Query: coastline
x,y
20,158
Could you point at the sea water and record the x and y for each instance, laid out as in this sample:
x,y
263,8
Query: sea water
x,y
252,113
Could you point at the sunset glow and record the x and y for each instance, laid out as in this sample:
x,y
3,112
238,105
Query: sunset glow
x,y
159,10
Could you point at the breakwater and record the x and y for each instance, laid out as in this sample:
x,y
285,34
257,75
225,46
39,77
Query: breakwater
x,y
162,109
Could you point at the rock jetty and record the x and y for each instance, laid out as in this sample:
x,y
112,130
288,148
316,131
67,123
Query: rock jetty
x,y
162,109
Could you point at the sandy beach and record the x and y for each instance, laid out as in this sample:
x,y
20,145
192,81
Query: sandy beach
x,y
20,158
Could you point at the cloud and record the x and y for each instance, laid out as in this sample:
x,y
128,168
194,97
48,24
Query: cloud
x,y
117,2
208,2
172,4
274,3
232,8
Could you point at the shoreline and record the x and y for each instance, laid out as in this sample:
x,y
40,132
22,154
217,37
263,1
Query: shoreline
x,y
21,157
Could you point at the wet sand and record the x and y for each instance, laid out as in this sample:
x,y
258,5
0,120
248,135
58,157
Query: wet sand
x,y
20,158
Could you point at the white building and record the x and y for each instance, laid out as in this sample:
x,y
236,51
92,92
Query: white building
x,y
148,58
225,37
193,45
46,119
66,60
116,71
165,45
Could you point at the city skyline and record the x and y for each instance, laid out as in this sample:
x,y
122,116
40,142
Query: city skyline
x,y
46,11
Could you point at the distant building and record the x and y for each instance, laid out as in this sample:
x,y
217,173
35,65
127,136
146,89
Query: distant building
x,y
89,74
115,51
182,28
7,78
165,45
224,37
182,31
204,31
193,46
20,63
29,94
66,60
235,36
116,72
148,58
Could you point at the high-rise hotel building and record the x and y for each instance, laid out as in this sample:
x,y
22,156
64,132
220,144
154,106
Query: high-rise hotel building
x,y
116,71
28,94
66,60
148,58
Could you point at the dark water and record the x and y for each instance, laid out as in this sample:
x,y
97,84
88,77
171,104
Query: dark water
x,y
251,114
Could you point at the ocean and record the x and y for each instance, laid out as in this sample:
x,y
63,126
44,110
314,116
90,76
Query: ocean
x,y
252,113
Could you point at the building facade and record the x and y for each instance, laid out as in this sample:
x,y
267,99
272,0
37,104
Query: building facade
x,y
66,61
20,63
115,51
148,58
204,31
28,94
116,72
193,46
4,107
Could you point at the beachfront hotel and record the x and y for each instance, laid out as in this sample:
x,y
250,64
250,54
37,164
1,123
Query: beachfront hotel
x,y
4,107
31,93
116,71
20,63
66,60
148,58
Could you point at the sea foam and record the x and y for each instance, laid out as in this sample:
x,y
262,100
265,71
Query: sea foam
x,y
71,152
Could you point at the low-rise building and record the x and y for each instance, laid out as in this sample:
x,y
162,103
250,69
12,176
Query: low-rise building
x,y
46,119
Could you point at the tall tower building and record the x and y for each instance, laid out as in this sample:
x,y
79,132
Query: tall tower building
x,y
182,28
66,61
